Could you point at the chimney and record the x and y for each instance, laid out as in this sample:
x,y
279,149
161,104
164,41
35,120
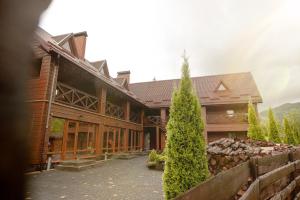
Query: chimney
x,y
79,43
125,75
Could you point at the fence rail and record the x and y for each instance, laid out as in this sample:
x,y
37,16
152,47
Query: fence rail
x,y
275,177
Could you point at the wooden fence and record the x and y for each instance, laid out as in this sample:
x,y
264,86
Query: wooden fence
x,y
275,177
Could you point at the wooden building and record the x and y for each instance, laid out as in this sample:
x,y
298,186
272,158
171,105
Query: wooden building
x,y
80,111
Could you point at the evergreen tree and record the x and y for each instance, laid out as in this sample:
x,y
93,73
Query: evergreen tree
x,y
186,161
273,128
254,130
288,132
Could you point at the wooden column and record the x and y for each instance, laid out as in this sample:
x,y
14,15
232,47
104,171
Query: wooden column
x,y
203,115
157,138
102,100
163,116
127,110
142,132
65,138
99,139
76,139
126,140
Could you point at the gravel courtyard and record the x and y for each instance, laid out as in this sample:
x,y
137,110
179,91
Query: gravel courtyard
x,y
116,179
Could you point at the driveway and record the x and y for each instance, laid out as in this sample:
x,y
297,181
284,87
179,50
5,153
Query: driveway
x,y
116,179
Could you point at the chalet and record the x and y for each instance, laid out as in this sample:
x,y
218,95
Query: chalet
x,y
80,111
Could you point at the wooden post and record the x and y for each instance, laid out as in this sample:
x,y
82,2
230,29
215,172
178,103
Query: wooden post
x,y
163,116
65,138
102,102
127,110
126,140
203,115
157,138
76,139
142,132
99,138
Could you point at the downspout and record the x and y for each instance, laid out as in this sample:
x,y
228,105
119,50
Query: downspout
x,y
54,78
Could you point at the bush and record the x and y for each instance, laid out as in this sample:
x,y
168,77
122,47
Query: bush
x,y
254,131
186,162
273,128
152,156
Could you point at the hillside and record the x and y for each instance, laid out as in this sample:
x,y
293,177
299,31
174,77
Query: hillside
x,y
284,109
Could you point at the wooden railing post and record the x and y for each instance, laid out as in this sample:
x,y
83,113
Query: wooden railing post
x,y
253,167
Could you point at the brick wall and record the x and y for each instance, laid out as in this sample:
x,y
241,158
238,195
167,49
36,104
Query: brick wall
x,y
38,95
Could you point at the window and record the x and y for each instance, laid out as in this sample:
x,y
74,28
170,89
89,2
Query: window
x,y
230,113
36,68
221,87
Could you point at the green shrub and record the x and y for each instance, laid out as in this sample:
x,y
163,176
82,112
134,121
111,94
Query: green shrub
x,y
273,128
186,162
153,156
289,136
254,131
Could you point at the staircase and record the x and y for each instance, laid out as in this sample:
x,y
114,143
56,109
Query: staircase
x,y
78,165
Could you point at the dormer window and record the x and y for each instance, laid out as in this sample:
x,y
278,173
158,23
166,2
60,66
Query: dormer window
x,y
221,87
230,113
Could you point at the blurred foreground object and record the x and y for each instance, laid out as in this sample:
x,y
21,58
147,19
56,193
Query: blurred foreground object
x,y
18,20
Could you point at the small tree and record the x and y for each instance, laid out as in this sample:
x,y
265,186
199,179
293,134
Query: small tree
x,y
254,130
186,161
273,128
288,132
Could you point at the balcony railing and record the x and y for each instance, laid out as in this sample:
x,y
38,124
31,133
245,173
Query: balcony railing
x,y
114,110
213,118
152,120
135,117
74,97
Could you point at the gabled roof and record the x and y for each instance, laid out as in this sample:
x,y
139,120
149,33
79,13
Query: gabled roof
x,y
102,67
49,44
241,86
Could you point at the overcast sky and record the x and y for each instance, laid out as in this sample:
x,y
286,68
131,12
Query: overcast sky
x,y
148,38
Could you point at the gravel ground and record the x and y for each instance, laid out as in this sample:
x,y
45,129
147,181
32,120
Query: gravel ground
x,y
116,179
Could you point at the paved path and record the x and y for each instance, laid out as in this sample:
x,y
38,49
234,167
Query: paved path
x,y
116,179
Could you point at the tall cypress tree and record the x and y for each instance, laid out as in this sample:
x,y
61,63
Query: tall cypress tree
x,y
186,161
254,130
288,132
273,128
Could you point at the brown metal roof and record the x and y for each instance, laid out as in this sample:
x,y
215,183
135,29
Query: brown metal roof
x,y
50,44
239,87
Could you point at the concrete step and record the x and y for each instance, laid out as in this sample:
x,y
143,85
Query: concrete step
x,y
77,166
77,162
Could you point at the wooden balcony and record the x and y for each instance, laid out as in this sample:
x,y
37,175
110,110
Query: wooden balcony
x,y
114,110
135,117
217,118
152,121
74,97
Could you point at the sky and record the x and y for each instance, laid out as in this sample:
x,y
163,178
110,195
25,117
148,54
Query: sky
x,y
148,37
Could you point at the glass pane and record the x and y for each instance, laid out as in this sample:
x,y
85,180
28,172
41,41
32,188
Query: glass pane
x,y
117,141
122,140
104,144
92,139
110,141
71,140
129,140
